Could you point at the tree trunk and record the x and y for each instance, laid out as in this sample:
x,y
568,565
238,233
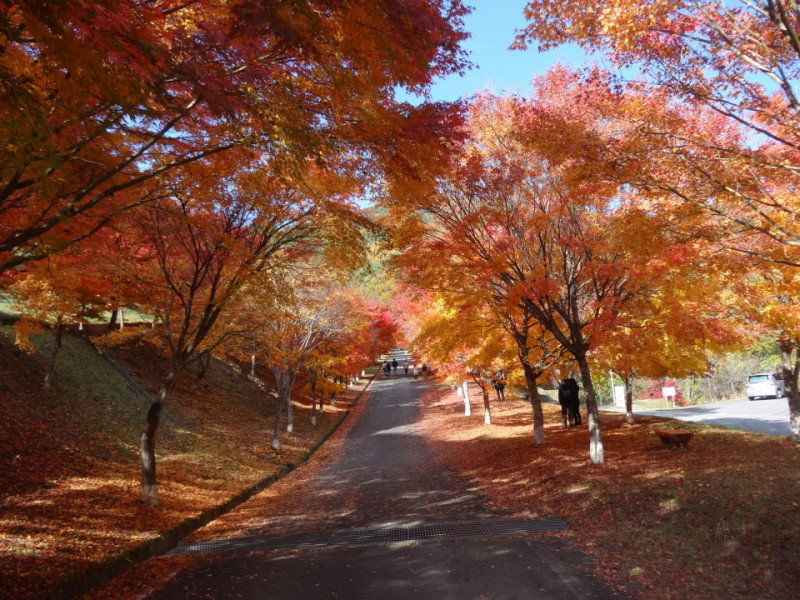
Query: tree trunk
x,y
538,414
112,323
276,433
314,398
487,410
284,378
204,363
536,403
628,381
290,376
58,335
790,376
147,449
596,455
465,393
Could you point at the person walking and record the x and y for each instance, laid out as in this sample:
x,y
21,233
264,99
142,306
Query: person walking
x,y
394,366
415,372
575,412
569,399
499,381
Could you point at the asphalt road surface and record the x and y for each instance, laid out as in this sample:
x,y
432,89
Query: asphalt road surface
x,y
383,482
764,415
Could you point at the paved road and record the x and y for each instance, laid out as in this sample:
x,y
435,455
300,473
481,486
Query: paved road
x,y
765,416
385,480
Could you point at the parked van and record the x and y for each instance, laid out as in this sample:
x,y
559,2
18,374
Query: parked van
x,y
763,385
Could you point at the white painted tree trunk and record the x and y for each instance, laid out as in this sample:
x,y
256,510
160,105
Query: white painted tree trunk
x,y
628,401
536,405
596,452
465,392
150,494
792,391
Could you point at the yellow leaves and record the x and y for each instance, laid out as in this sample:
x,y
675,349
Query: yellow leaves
x,y
45,295
23,329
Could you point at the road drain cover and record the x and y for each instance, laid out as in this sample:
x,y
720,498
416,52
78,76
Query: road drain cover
x,y
360,537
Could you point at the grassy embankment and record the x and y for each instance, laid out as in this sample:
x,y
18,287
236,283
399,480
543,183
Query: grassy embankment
x,y
69,468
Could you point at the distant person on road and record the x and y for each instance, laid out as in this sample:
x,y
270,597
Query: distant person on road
x,y
394,365
387,368
405,368
415,372
424,370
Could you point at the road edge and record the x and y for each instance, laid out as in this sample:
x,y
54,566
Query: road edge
x,y
108,569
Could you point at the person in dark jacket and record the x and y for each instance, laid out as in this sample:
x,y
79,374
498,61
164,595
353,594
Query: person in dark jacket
x,y
569,399
499,382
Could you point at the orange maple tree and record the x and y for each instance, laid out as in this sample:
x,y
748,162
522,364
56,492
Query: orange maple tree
x,y
99,98
721,120
532,227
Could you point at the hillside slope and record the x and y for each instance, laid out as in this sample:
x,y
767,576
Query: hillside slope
x,y
69,470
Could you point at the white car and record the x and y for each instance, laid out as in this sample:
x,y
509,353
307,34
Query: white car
x,y
763,385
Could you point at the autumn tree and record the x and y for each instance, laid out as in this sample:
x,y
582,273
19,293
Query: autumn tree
x,y
100,100
463,337
724,136
292,334
688,313
457,257
738,60
191,256
770,297
369,331
60,291
534,225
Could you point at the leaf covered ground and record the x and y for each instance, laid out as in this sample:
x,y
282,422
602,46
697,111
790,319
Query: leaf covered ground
x,y
717,521
282,507
720,520
69,471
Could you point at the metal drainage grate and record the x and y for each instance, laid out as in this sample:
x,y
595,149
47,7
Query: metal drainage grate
x,y
360,537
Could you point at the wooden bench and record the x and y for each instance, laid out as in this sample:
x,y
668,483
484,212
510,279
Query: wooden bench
x,y
674,438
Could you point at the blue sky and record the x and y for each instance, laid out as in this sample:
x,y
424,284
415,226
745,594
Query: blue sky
x,y
492,24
